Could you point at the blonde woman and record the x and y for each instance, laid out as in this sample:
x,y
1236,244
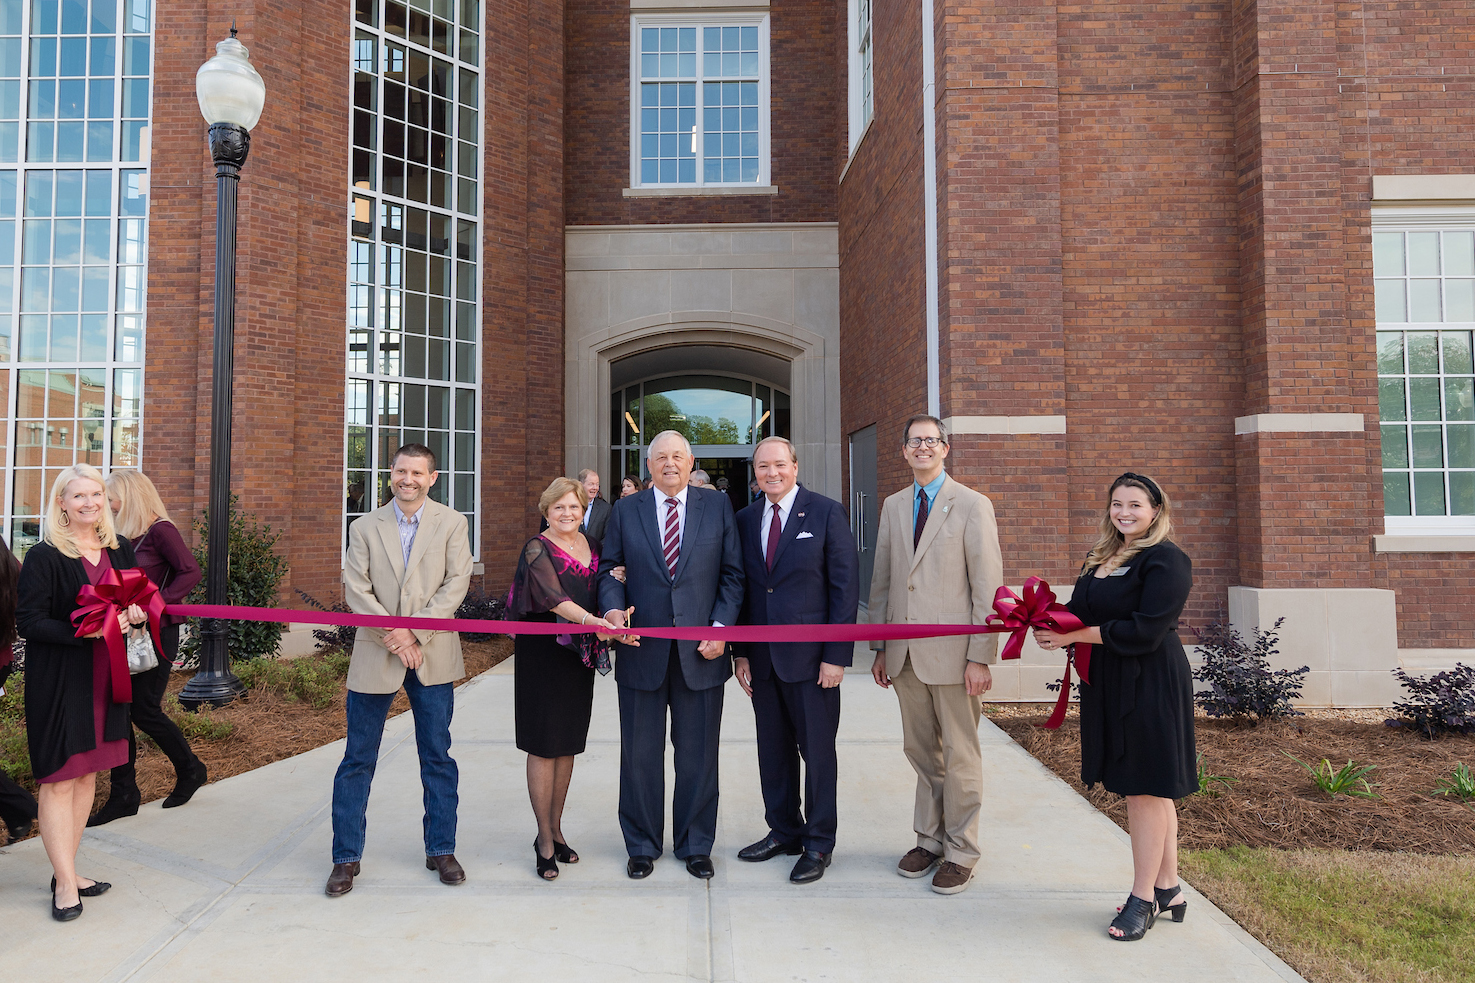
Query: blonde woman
x,y
163,555
75,725
1137,712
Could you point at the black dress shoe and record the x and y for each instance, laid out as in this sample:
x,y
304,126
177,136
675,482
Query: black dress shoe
x,y
20,830
451,872
640,867
700,865
114,808
340,882
768,848
97,889
65,914
811,867
185,786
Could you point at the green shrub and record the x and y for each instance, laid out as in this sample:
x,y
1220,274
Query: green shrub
x,y
201,725
1207,782
1460,784
256,575
1443,703
1350,779
15,754
314,679
1242,686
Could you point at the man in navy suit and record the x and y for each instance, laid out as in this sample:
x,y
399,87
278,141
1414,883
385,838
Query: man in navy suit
x,y
683,567
799,557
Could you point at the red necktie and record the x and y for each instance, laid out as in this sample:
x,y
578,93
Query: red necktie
x,y
673,537
921,518
773,533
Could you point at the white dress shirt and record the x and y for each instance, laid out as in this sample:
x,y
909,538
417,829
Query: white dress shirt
x,y
680,513
785,506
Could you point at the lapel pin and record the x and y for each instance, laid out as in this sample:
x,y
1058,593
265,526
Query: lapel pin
x,y
801,515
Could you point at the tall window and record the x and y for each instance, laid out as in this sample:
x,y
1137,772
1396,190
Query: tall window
x,y
74,111
414,249
862,97
700,101
1425,296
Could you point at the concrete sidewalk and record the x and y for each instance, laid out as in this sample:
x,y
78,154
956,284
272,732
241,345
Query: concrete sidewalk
x,y
231,887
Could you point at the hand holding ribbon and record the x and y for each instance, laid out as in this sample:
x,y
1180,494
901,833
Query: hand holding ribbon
x,y
1039,609
98,607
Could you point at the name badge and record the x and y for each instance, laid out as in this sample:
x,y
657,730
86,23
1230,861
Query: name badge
x,y
1119,571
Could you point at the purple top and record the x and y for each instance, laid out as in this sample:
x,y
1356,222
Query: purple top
x,y
162,554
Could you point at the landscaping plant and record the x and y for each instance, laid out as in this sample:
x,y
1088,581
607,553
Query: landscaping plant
x,y
482,606
1241,683
256,575
331,637
1350,779
1206,781
1460,784
1443,703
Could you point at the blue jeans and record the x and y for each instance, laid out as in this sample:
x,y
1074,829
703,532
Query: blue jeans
x,y
431,707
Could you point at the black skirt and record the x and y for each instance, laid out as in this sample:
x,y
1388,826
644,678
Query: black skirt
x,y
553,696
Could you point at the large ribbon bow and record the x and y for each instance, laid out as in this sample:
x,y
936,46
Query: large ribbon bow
x,y
98,606
1039,609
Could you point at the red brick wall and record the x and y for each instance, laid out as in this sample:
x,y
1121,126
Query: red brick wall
x,y
805,91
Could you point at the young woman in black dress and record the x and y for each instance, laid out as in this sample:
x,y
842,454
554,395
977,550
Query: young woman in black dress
x,y
553,686
1137,710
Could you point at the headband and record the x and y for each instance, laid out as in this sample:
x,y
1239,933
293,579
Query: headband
x,y
1147,483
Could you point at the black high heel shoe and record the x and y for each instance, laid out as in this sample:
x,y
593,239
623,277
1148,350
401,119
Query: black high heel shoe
x,y
546,865
96,889
564,853
1166,894
1135,919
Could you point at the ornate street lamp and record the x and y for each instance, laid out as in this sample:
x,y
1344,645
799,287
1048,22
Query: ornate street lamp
x,y
231,95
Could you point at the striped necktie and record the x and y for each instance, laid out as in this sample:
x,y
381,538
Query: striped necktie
x,y
673,537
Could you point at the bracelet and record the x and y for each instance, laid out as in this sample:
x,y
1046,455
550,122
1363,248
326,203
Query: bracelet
x,y
583,619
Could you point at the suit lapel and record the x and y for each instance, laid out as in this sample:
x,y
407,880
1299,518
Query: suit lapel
x,y
645,506
937,515
792,527
422,538
389,534
693,518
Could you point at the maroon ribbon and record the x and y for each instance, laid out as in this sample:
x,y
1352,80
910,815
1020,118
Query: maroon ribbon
x,y
98,607
1039,609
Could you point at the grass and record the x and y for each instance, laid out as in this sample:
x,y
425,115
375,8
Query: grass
x,y
1345,917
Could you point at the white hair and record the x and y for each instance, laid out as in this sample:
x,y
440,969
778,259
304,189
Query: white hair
x,y
650,448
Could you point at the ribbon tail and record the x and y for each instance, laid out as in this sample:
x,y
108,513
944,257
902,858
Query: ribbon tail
x,y
155,609
117,650
1014,647
1057,717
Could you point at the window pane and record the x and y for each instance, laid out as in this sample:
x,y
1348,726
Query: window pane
x,y
1389,301
1459,399
1462,493
1395,447
1461,446
1428,446
1423,254
1423,353
1429,493
1459,300
1395,493
1423,398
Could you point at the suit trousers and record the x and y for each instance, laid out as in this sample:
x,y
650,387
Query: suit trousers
x,y
794,721
17,806
431,707
696,721
148,716
939,728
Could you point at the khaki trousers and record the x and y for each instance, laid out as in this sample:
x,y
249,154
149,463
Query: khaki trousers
x,y
939,728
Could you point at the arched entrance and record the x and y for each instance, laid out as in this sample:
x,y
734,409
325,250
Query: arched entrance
x,y
723,400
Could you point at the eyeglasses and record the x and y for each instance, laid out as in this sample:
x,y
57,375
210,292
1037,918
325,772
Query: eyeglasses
x,y
915,442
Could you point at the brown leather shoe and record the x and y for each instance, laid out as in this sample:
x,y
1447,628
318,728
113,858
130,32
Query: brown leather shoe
x,y
340,882
450,871
951,878
917,862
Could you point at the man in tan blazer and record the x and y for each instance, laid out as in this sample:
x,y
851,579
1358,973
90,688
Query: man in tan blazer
x,y
938,562
410,558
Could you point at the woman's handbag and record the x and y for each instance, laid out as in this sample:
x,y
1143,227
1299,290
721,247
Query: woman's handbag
x,y
141,655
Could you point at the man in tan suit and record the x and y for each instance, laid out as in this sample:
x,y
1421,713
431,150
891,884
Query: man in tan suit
x,y
410,558
938,562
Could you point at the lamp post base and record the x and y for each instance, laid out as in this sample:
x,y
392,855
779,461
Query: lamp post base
x,y
210,689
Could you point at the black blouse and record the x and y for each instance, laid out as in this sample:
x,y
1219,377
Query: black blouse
x,y
546,577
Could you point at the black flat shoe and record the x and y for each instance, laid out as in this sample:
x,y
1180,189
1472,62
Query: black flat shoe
x,y
118,808
19,831
700,865
1178,910
564,853
185,786
811,867
1135,919
640,867
97,889
65,914
547,866
768,848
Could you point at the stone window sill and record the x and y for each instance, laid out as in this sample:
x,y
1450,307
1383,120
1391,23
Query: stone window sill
x,y
1424,543
712,192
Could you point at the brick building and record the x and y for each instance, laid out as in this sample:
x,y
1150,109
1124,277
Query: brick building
x,y
1231,245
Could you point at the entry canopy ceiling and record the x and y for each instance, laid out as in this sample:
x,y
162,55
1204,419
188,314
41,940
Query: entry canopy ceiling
x,y
700,359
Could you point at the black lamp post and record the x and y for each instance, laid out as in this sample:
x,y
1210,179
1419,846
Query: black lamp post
x,y
231,95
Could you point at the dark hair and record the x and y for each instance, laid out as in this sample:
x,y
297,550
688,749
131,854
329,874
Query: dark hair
x,y
414,450
906,431
634,479
9,578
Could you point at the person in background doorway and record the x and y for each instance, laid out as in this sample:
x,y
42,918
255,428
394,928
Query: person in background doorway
x,y
597,514
630,485
699,479
162,554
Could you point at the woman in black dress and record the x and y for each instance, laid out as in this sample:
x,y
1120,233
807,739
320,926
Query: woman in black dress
x,y
554,674
76,720
1137,710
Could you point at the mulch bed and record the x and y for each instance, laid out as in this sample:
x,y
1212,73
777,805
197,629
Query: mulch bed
x,y
1273,802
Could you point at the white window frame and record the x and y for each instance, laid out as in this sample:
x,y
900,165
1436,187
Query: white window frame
x,y
1425,219
731,18
862,73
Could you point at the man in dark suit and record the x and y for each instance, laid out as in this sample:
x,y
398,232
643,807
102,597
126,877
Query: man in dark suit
x,y
799,559
683,567
596,516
